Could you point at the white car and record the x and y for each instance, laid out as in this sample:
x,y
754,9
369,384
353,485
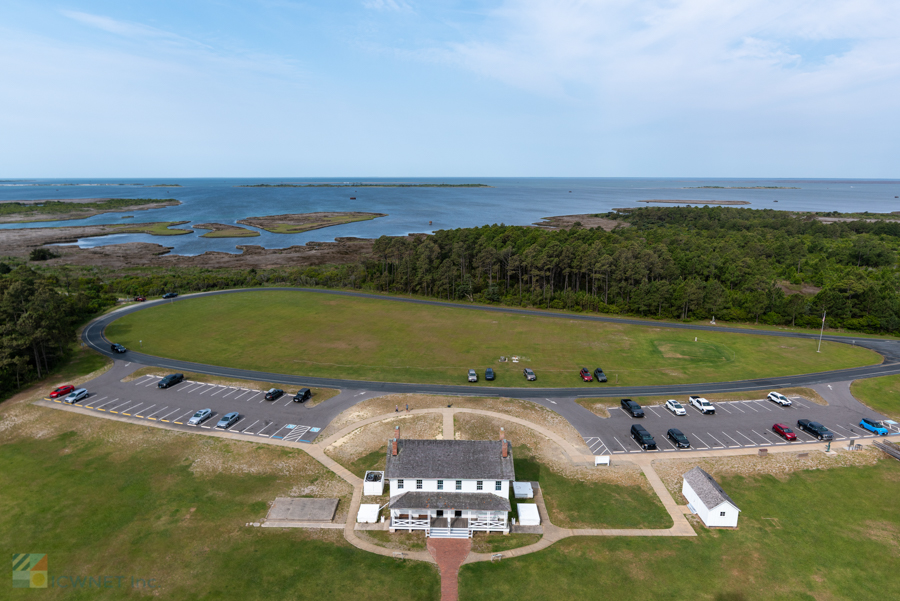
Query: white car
x,y
76,395
777,397
473,375
675,407
702,405
200,417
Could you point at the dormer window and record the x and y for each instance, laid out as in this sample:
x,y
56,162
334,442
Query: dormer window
x,y
400,483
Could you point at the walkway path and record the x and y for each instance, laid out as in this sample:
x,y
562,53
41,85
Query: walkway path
x,y
449,553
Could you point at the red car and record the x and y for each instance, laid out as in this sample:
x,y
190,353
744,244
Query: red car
x,y
139,299
62,391
586,375
784,432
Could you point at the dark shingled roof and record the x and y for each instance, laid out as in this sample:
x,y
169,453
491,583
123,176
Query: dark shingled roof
x,y
707,488
450,460
420,499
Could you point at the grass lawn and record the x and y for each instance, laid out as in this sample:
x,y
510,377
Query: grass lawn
x,y
816,535
577,504
881,394
225,231
368,339
103,508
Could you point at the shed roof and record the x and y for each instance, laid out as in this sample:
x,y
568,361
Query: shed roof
x,y
707,488
450,459
420,499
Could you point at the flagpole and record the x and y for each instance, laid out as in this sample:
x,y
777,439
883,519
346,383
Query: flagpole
x,y
822,332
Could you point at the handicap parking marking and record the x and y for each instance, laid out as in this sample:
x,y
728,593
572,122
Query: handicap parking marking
x,y
277,431
296,433
596,445
722,444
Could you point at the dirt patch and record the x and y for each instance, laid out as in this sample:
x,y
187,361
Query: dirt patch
x,y
668,353
223,230
599,407
588,221
779,465
303,222
374,437
521,409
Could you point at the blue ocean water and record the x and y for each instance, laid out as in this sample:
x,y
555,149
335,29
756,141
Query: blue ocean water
x,y
514,201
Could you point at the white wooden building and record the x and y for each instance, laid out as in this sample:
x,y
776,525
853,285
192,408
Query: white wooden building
x,y
449,488
707,499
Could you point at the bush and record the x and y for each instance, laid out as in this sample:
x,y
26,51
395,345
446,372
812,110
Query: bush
x,y
42,254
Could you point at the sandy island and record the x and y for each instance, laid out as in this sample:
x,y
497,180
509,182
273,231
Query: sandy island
x,y
564,222
223,230
297,223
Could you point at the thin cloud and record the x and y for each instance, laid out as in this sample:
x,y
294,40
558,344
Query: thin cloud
x,y
126,29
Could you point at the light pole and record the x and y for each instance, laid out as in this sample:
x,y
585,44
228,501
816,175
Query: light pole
x,y
822,331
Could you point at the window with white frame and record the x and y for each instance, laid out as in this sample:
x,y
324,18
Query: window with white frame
x,y
400,483
418,485
498,485
440,485
479,485
722,514
459,485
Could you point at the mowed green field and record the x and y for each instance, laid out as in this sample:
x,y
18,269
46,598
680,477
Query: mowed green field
x,y
881,394
814,535
323,335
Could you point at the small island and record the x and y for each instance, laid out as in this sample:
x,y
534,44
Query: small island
x,y
363,185
303,222
699,202
222,230
741,188
30,211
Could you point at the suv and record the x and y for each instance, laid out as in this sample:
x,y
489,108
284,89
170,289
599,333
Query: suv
x,y
874,426
489,373
170,295
117,348
777,397
599,375
473,375
633,408
642,437
815,428
273,393
585,375
76,395
677,436
702,405
783,431
303,394
170,380
529,375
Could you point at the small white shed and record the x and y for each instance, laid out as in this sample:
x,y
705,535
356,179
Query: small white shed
x,y
523,490
707,499
528,514
373,484
368,513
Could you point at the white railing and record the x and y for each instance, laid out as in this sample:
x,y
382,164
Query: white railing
x,y
487,524
410,523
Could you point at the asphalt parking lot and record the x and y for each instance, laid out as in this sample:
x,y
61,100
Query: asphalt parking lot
x,y
736,424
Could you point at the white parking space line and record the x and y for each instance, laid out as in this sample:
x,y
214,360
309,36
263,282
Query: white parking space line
x,y
207,427
143,380
238,422
277,431
157,411
733,406
146,409
596,445
670,444
722,444
761,436
242,394
229,394
163,418
732,438
107,403
194,388
800,433
218,391
722,406
248,427
624,450
296,434
753,442
799,404
211,387
700,439
764,405
652,411
180,418
126,409
95,402
850,432
152,382
750,406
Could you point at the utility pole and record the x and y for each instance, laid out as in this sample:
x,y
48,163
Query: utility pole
x,y
822,332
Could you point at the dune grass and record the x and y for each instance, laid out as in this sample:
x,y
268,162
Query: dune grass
x,y
818,534
881,394
368,339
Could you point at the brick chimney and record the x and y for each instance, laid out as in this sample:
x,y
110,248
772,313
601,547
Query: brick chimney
x,y
505,446
394,442
502,434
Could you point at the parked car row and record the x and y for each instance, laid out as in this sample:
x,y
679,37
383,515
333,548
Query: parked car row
x,y
226,421
304,394
640,435
701,404
490,375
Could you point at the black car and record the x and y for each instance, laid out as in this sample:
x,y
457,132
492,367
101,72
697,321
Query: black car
x,y
680,440
489,374
815,428
170,295
633,408
642,437
273,393
303,394
170,380
599,375
117,348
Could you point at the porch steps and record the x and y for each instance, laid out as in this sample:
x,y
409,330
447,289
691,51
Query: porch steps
x,y
449,533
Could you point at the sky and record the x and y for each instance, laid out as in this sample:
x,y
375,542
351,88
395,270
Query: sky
x,y
505,88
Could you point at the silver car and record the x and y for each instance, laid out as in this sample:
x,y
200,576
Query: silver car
x,y
675,407
200,417
76,395
529,375
473,375
228,420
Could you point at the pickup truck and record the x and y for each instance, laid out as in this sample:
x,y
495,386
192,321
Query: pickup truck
x,y
702,405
